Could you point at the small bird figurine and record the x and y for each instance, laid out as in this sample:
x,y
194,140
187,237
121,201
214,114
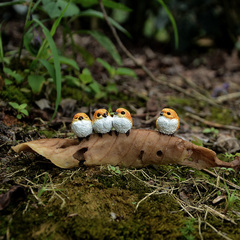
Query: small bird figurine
x,y
168,121
102,122
122,121
81,125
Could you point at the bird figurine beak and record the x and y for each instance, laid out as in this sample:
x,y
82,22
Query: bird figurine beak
x,y
104,115
161,113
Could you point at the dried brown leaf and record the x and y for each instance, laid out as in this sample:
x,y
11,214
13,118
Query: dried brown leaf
x,y
141,148
16,193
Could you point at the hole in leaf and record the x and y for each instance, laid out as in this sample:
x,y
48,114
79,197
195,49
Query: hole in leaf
x,y
79,155
140,156
159,153
69,143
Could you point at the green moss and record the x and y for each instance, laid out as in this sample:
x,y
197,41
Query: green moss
x,y
13,94
221,115
48,133
74,93
174,101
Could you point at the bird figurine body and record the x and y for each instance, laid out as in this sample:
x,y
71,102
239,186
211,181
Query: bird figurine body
x,y
102,122
122,121
82,125
168,121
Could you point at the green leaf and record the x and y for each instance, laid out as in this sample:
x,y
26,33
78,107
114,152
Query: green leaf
x,y
14,105
118,171
106,3
55,8
86,76
110,69
72,81
24,111
10,3
27,40
174,25
94,13
112,168
36,82
115,5
69,62
19,78
57,67
44,46
7,82
49,68
22,106
95,87
100,95
19,116
86,3
112,88
108,45
126,71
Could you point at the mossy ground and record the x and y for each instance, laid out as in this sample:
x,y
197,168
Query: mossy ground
x,y
100,203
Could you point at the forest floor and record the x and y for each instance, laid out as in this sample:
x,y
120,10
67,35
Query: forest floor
x,y
42,201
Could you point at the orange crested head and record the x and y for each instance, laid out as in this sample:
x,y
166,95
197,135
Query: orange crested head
x,y
170,114
122,112
81,116
100,113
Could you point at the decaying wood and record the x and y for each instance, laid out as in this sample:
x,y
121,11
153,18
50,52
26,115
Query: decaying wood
x,y
141,148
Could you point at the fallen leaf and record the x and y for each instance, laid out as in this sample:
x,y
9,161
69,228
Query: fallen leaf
x,y
16,193
141,148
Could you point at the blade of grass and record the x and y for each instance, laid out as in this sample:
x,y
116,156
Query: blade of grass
x,y
49,41
7,4
57,66
174,25
52,32
94,13
107,44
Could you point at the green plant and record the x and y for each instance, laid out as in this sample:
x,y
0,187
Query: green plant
x,y
21,109
113,72
188,230
197,141
114,169
231,198
212,130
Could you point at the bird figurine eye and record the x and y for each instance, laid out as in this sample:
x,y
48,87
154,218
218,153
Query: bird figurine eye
x,y
98,114
122,112
168,113
80,118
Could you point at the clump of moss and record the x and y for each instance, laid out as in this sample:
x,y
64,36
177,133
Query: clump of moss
x,y
174,101
219,115
13,94
47,133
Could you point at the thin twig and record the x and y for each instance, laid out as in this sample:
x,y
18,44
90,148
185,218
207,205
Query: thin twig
x,y
216,213
146,198
225,180
199,228
212,124
227,97
218,232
